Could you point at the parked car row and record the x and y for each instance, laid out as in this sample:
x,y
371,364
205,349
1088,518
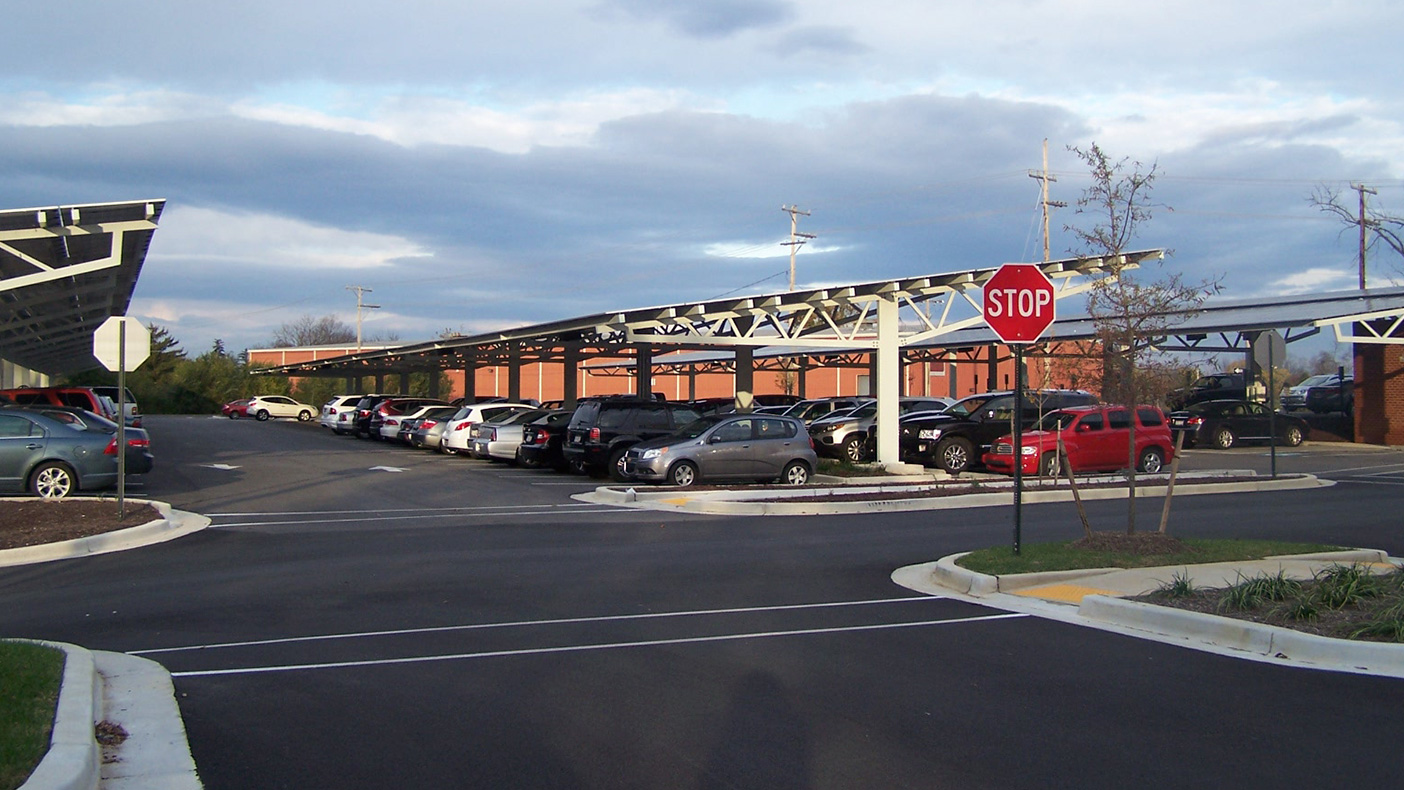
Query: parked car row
x,y
625,437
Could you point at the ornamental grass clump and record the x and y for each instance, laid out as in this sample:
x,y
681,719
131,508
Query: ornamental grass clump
x,y
1387,625
1252,593
1340,586
1179,586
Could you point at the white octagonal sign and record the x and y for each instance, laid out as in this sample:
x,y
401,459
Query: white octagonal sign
x,y
108,342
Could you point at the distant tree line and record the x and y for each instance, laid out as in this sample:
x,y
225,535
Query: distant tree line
x,y
171,382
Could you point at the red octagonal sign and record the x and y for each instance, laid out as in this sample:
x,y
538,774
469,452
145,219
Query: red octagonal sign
x,y
1019,303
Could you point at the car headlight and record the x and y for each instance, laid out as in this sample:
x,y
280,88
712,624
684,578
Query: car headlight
x,y
1029,450
653,453
929,433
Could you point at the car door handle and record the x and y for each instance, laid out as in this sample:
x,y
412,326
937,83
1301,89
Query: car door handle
x,y
33,446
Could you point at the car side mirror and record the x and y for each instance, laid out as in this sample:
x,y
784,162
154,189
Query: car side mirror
x,y
714,438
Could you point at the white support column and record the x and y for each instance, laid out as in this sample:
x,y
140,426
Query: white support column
x,y
889,369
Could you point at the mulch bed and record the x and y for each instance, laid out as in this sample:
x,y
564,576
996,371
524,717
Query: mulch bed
x,y
34,522
1334,623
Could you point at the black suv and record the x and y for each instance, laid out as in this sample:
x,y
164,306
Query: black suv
x,y
360,423
602,429
1217,386
955,439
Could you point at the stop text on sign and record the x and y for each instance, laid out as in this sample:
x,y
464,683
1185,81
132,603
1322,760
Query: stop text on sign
x,y
1019,303
1001,302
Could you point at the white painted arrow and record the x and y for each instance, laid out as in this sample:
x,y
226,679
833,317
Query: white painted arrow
x,y
225,467
386,469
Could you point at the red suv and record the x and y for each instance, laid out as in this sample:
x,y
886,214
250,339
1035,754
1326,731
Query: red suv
x,y
1095,438
76,397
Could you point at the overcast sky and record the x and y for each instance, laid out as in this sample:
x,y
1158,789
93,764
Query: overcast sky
x,y
484,165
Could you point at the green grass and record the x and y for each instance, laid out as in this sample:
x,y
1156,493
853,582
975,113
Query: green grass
x,y
842,468
1035,557
29,677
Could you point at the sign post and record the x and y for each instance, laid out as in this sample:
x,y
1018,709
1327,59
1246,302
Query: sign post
x,y
1019,307
1269,348
118,344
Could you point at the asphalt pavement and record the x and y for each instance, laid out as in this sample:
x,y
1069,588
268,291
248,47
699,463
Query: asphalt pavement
x,y
455,623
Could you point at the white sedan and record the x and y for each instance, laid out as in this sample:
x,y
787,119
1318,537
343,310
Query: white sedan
x,y
265,406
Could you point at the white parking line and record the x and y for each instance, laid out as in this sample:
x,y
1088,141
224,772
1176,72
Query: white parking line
x,y
456,508
554,621
583,648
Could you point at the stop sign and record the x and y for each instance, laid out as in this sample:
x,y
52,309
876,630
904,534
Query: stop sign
x,y
1018,303
109,346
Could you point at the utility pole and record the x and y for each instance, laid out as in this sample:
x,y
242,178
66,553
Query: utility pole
x,y
797,239
1364,224
361,306
1044,177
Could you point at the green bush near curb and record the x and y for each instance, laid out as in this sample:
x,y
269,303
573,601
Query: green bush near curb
x,y
30,676
1063,556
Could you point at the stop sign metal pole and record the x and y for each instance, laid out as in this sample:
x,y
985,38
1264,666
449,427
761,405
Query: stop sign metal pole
x,y
122,421
1018,446
1019,306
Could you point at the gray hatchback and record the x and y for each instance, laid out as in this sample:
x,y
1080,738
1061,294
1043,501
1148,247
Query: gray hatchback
x,y
759,447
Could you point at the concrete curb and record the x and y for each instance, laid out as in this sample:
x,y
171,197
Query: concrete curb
x,y
742,502
1208,632
72,762
134,692
172,524
1268,641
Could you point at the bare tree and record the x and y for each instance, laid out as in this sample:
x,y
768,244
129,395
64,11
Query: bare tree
x,y
309,331
1375,227
1128,308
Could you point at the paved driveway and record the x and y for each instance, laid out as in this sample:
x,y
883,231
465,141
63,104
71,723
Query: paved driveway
x,y
460,624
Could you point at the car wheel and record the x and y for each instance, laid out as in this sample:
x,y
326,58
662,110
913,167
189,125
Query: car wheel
x,y
1048,465
1151,461
262,415
954,455
52,480
796,474
853,449
233,415
1224,438
1292,436
528,463
682,474
616,465
304,416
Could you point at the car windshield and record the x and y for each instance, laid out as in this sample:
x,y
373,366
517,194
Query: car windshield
x,y
865,411
1317,380
1056,421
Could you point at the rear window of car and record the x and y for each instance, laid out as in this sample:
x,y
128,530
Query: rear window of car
x,y
1119,418
585,413
775,429
14,426
1150,417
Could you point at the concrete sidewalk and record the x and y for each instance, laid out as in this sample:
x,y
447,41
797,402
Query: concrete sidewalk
x,y
1096,598
134,693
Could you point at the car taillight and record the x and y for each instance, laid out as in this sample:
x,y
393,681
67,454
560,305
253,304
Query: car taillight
x,y
1195,421
134,442
391,421
463,426
594,434
428,423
